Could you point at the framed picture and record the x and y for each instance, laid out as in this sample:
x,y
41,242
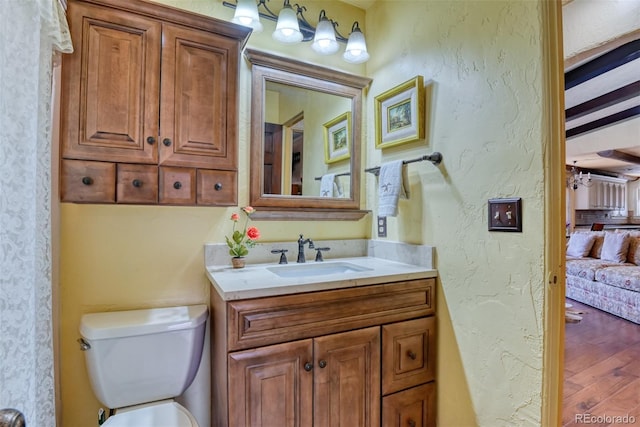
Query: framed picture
x,y
337,138
399,114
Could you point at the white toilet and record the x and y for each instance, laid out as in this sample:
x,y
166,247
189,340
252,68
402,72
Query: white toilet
x,y
139,360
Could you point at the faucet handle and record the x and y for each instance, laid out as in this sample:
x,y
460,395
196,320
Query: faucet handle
x,y
283,257
319,253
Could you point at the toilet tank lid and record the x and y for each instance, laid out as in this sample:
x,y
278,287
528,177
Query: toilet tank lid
x,y
120,324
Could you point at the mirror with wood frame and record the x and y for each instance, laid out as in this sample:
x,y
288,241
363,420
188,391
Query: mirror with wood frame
x,y
306,125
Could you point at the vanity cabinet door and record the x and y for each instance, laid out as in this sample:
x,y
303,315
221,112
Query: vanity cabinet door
x,y
347,379
272,386
409,352
410,408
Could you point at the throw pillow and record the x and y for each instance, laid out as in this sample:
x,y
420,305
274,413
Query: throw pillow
x,y
596,249
633,256
615,247
580,244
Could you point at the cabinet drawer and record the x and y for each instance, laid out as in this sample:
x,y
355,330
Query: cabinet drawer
x,y
177,186
84,181
408,354
258,322
217,188
137,184
414,407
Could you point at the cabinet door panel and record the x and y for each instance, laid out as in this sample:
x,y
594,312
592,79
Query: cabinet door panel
x,y
347,379
110,86
196,100
408,357
269,386
414,407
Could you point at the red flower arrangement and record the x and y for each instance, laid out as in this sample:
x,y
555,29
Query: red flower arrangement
x,y
241,241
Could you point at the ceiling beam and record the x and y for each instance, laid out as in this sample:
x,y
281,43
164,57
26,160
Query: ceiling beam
x,y
600,65
605,121
608,99
620,155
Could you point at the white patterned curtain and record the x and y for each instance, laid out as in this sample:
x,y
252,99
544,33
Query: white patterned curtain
x,y
30,32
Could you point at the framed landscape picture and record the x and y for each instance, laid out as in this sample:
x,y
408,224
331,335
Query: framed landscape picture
x,y
337,138
399,114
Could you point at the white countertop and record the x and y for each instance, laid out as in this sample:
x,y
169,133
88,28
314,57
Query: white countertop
x,y
255,280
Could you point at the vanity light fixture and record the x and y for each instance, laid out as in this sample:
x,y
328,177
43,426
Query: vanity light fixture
x,y
356,51
287,28
324,40
247,14
576,178
292,27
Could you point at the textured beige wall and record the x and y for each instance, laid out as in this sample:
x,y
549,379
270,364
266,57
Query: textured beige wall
x,y
484,60
483,64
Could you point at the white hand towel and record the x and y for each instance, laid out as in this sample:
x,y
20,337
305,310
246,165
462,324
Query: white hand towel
x,y
338,191
392,184
327,185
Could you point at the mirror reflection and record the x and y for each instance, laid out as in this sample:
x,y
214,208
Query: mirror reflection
x,y
307,146
306,125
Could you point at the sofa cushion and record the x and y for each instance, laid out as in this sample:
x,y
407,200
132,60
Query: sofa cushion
x,y
615,247
586,268
625,277
580,244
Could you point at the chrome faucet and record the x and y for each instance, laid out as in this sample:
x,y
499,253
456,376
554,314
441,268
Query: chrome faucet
x,y
301,242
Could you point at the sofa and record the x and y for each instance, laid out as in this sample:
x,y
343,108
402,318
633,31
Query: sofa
x,y
603,271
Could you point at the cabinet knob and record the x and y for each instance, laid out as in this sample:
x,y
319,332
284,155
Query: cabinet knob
x,y
411,355
218,186
177,185
151,140
137,183
87,180
308,366
166,142
411,423
322,363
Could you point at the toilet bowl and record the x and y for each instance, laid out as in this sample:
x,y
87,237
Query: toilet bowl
x,y
139,360
159,414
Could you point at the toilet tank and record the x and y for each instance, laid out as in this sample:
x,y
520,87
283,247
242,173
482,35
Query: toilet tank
x,y
140,356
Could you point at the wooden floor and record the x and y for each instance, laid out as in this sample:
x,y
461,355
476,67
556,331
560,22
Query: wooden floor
x,y
602,370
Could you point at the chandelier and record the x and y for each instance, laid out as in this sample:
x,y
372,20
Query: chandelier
x,y
576,178
292,27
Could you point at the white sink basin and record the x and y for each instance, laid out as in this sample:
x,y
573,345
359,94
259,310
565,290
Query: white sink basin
x,y
315,269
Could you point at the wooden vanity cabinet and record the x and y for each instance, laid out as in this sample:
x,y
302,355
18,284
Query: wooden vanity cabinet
x,y
154,85
359,356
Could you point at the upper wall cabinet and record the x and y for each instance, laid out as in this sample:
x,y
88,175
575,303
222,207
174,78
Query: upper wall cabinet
x,y
149,107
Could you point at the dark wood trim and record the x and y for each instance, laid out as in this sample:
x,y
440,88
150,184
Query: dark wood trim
x,y
600,65
605,121
622,94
